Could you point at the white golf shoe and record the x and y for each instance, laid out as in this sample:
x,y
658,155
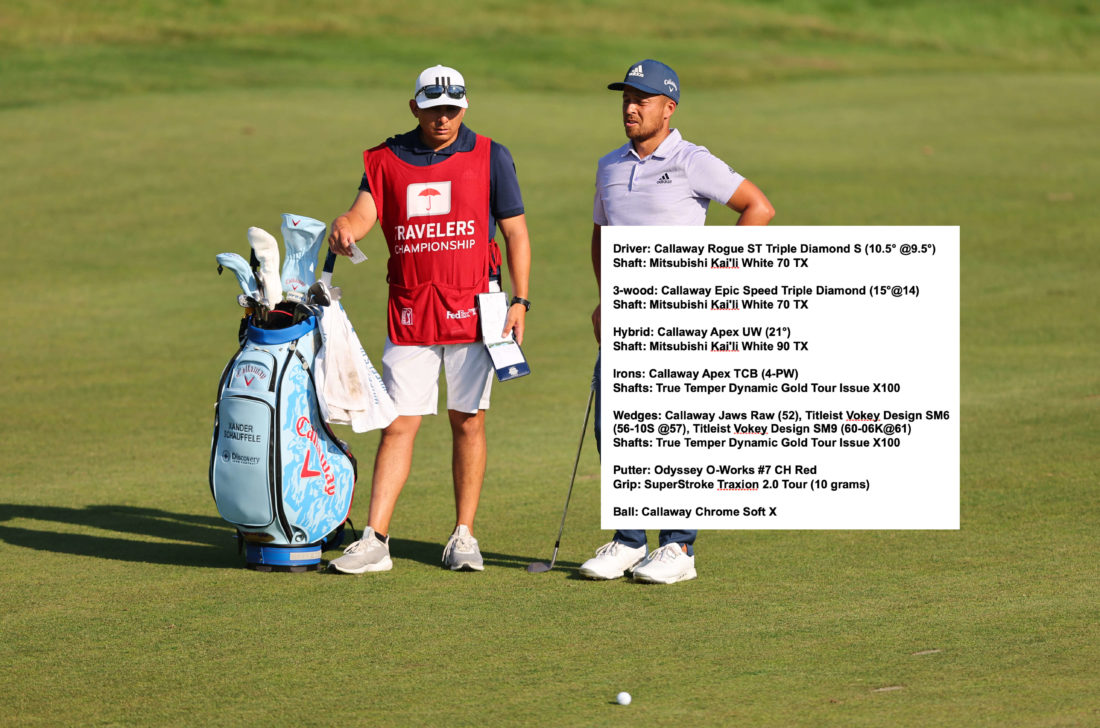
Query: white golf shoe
x,y
367,554
612,560
461,552
667,565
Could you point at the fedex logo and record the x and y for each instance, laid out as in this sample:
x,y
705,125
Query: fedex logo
x,y
427,198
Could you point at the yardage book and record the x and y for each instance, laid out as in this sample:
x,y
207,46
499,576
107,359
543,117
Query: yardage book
x,y
508,359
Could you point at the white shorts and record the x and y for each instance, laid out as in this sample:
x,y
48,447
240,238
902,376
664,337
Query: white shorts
x,y
411,375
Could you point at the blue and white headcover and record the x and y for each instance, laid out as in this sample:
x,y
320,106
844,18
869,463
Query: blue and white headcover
x,y
302,238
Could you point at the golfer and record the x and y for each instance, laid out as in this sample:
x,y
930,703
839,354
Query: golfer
x,y
658,178
439,192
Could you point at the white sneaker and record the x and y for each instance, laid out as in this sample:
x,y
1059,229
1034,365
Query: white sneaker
x,y
461,552
612,560
667,565
367,554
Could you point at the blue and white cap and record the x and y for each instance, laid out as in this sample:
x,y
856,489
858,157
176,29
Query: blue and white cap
x,y
440,86
652,77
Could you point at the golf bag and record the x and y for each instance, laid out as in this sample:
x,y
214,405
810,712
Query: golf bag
x,y
277,472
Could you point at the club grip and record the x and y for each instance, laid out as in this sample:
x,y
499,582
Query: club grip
x,y
330,263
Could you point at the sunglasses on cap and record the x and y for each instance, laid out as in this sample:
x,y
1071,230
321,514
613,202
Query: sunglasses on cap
x,y
435,90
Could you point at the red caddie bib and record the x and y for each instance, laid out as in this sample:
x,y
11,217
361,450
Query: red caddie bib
x,y
436,223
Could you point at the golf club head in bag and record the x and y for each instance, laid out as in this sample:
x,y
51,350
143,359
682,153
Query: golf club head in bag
x,y
239,266
279,316
302,238
319,294
266,250
303,311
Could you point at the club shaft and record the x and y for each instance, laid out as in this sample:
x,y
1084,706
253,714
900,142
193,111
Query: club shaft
x,y
573,478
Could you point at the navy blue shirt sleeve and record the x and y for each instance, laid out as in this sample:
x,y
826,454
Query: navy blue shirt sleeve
x,y
505,199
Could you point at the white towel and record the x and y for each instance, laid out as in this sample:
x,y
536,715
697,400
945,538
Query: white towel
x,y
348,387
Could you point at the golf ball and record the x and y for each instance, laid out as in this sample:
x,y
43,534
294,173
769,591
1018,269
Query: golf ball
x,y
623,698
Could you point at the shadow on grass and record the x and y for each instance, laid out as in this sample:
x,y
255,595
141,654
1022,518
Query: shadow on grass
x,y
180,539
201,540
431,553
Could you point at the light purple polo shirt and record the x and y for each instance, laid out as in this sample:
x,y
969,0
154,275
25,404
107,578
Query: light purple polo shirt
x,y
672,186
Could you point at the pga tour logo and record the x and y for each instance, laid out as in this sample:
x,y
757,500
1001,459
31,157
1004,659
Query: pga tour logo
x,y
406,317
428,198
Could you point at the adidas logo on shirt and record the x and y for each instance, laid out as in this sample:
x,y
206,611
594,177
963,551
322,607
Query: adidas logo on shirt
x,y
664,179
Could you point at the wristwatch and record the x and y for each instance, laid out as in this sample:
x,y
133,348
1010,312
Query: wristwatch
x,y
522,301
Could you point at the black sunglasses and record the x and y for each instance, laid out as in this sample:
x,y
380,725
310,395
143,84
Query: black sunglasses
x,y
435,90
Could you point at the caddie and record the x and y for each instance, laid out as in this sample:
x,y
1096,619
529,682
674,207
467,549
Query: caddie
x,y
439,192
658,178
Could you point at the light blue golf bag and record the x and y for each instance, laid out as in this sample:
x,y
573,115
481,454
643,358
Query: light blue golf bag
x,y
277,472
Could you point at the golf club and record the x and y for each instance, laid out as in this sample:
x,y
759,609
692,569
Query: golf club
x,y
302,237
540,566
266,250
245,278
302,311
319,294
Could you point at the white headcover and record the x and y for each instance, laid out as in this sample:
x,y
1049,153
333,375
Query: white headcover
x,y
267,252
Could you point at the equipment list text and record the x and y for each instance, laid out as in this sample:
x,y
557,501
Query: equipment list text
x,y
780,377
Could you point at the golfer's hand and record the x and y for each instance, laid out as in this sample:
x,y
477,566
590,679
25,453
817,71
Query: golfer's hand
x,y
517,315
341,238
596,323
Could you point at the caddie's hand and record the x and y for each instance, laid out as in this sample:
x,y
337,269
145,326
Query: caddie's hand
x,y
341,239
517,315
596,323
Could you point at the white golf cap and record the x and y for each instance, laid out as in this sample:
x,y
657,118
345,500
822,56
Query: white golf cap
x,y
440,86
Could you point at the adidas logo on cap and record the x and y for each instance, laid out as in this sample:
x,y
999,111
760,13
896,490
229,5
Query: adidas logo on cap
x,y
650,77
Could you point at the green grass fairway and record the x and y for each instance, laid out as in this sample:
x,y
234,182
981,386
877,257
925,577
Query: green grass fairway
x,y
139,139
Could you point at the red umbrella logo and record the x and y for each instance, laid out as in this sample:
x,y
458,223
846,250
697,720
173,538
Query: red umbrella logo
x,y
429,193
